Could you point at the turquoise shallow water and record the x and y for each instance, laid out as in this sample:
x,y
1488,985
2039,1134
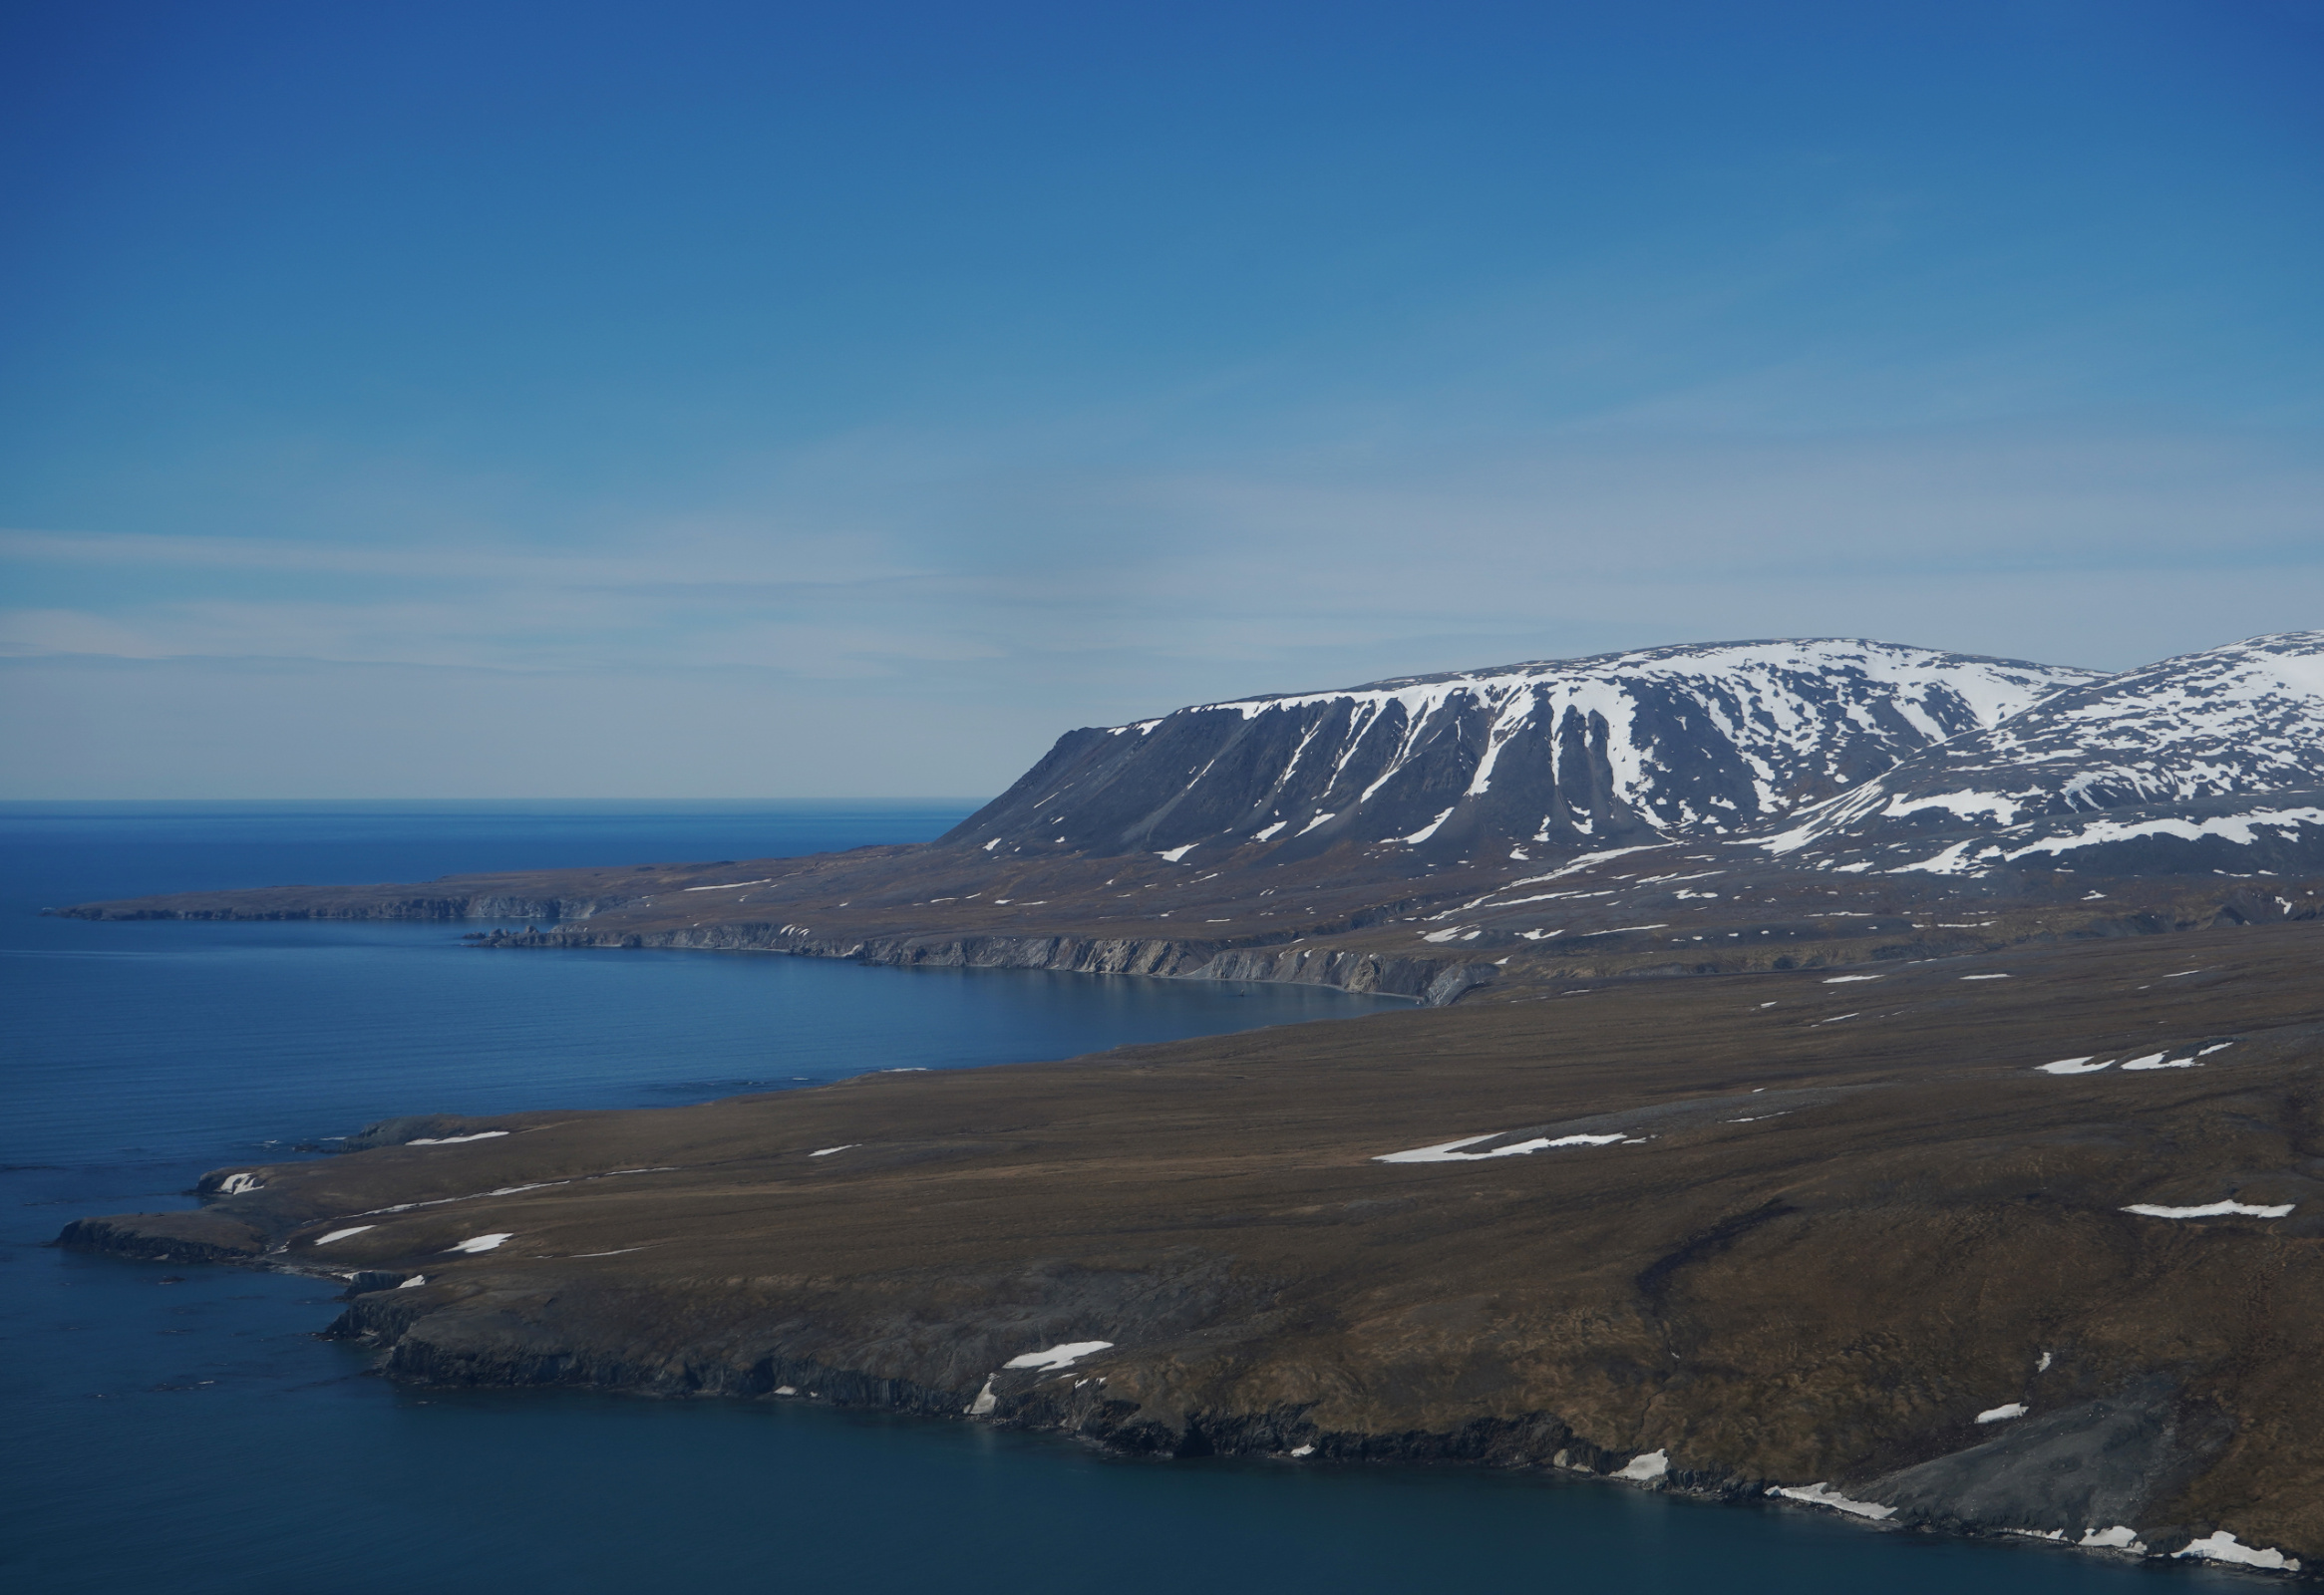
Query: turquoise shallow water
x,y
183,1430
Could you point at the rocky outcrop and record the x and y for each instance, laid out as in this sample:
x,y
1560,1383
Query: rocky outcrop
x,y
2094,1465
195,1237
338,902
1432,982
2091,1464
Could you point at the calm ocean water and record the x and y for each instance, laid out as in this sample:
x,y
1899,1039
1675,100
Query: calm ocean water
x,y
182,1429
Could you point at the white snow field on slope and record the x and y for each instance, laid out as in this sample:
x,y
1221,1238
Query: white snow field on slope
x,y
2215,732
1064,1356
1785,707
1701,739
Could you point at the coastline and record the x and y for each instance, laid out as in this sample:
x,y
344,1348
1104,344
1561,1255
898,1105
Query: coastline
x,y
1362,921
1430,982
1234,1326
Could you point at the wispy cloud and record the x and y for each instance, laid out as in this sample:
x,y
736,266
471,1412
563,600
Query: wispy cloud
x,y
1268,572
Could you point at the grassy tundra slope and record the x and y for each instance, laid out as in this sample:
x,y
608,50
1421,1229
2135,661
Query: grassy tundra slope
x,y
1786,1229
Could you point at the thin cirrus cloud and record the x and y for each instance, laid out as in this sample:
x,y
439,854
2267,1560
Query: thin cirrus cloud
x,y
1653,539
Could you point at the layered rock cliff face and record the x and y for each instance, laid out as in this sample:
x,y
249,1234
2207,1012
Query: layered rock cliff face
x,y
1433,981
1551,757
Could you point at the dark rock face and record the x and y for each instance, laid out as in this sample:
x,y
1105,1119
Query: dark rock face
x,y
2210,761
1433,981
2083,1469
1558,756
357,902
196,1237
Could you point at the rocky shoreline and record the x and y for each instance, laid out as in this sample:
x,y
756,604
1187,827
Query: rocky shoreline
x,y
1432,982
1348,923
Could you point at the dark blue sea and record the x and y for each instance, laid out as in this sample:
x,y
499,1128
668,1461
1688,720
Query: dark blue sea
x,y
182,1429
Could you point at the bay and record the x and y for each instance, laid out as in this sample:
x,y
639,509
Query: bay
x,y
185,1430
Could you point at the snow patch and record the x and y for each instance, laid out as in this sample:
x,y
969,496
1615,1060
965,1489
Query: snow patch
x,y
2242,829
2074,1066
1954,860
1823,1495
483,1244
235,1184
1450,1151
342,1234
1429,829
1059,1356
453,1141
2002,1413
2222,1546
1966,805
2211,1210
1651,1465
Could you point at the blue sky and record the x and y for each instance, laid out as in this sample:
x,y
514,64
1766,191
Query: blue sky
x,y
755,400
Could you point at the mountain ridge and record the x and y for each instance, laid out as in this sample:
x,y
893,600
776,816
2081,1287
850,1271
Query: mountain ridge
x,y
2199,754
1698,738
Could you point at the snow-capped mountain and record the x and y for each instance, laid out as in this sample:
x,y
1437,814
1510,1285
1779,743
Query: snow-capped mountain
x,y
2212,760
1538,759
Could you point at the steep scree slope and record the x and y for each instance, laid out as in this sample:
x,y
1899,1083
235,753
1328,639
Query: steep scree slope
x,y
1701,740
